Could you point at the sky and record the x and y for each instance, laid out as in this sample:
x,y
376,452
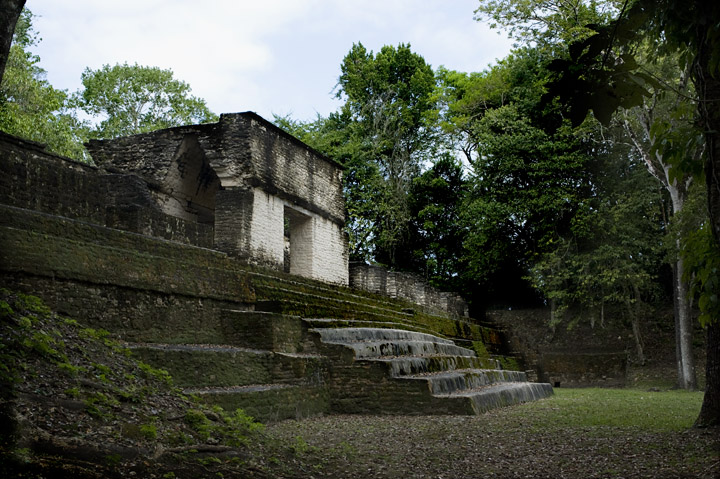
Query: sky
x,y
268,56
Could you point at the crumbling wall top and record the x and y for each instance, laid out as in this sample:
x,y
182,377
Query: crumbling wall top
x,y
244,150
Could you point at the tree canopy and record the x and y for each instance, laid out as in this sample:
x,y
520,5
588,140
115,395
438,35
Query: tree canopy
x,y
32,108
131,99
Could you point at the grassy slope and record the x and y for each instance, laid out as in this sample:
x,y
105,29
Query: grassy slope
x,y
74,403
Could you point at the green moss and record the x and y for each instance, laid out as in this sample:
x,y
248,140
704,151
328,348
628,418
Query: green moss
x,y
198,422
151,372
6,310
480,349
148,431
99,405
34,305
511,364
71,370
73,392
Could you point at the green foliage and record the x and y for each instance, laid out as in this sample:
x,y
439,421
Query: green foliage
x,y
99,405
130,99
530,178
70,369
148,431
548,21
702,255
151,372
233,429
29,106
389,114
198,421
301,447
434,229
383,134
613,255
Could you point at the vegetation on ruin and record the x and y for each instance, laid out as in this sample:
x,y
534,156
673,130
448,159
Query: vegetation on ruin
x,y
81,396
97,412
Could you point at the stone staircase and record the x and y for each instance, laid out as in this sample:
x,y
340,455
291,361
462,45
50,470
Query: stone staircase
x,y
439,376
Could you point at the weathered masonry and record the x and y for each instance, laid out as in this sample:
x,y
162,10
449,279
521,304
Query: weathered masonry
x,y
179,243
262,195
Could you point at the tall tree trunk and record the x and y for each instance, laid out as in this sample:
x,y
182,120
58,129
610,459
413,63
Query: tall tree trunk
x,y
677,188
634,310
707,82
9,13
710,411
678,352
684,328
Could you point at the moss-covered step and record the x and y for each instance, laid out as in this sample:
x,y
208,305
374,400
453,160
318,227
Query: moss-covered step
x,y
269,402
266,330
204,365
314,323
314,307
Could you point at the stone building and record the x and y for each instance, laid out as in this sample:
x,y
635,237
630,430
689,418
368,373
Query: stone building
x,y
259,193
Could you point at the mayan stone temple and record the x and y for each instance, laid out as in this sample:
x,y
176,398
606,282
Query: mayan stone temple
x,y
253,191
218,252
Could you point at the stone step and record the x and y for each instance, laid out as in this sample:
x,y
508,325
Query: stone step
x,y
309,305
500,395
312,306
447,382
363,334
412,365
384,343
263,279
268,402
204,365
360,323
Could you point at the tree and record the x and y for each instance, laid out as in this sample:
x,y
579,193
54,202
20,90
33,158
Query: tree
x,y
29,106
131,99
604,63
526,184
661,127
390,107
545,21
10,11
560,23
435,229
612,256
466,97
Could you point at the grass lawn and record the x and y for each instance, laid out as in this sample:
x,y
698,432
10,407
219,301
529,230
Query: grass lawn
x,y
578,433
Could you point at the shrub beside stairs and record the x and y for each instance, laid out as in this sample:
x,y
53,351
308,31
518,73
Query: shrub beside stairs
x,y
276,345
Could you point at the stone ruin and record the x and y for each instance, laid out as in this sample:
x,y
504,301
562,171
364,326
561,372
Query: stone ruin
x,y
253,191
179,243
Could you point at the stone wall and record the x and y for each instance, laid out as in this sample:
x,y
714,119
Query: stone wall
x,y
581,356
245,178
407,286
34,179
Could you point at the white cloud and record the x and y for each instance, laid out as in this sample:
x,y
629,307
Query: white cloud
x,y
274,56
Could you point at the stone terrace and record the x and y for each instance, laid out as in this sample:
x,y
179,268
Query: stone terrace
x,y
275,344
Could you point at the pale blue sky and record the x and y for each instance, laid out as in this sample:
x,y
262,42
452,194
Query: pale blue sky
x,y
267,56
